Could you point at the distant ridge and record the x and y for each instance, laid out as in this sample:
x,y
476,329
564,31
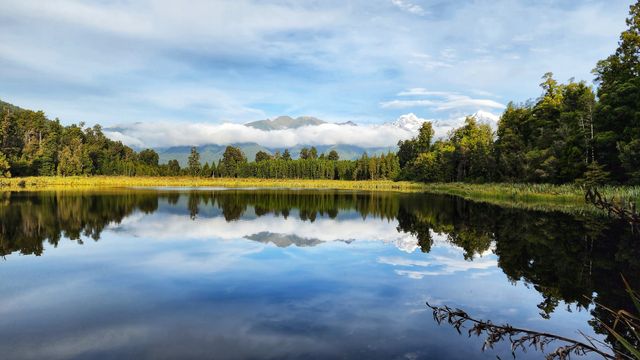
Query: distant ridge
x,y
211,153
285,122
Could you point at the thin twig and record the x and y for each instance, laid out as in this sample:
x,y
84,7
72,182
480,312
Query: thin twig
x,y
518,337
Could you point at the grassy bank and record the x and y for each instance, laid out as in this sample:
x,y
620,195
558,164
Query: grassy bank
x,y
531,196
98,182
535,196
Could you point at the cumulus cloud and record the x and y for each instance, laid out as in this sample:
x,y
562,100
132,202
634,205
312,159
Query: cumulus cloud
x,y
171,134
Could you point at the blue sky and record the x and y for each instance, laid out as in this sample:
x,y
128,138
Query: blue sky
x,y
368,61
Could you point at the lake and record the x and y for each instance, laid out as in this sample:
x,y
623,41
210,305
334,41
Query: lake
x,y
221,273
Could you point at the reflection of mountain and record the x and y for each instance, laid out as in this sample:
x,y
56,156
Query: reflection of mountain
x,y
286,240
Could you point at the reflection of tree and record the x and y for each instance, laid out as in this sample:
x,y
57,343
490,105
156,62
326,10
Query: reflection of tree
x,y
27,220
566,258
309,204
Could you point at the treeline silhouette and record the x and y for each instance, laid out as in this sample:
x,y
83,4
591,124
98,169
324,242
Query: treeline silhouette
x,y
309,165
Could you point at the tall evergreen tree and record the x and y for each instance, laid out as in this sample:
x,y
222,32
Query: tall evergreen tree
x,y
194,162
232,161
304,153
286,155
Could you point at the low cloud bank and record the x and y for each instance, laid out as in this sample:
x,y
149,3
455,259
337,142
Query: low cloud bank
x,y
163,134
172,134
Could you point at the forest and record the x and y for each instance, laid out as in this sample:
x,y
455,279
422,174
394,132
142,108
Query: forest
x,y
571,133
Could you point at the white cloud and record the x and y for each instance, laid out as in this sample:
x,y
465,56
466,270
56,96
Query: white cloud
x,y
409,7
185,134
440,101
462,101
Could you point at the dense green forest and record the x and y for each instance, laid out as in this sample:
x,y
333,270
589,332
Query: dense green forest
x,y
570,133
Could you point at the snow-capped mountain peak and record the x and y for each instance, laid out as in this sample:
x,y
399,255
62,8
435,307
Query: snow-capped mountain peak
x,y
486,117
409,122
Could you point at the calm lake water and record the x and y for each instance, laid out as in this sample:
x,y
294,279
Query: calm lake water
x,y
292,274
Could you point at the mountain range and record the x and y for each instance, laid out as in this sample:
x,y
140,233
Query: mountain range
x,y
211,153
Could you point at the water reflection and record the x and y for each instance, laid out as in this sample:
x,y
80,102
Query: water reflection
x,y
568,260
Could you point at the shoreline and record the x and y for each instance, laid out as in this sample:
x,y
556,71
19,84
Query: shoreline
x,y
531,196
42,183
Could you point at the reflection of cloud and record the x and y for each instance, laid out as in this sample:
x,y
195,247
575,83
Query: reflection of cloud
x,y
445,260
322,229
407,243
399,261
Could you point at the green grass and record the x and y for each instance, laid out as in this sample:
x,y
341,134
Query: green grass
x,y
568,197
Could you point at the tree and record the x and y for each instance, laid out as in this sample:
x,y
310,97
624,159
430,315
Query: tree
x,y
425,135
473,155
286,155
333,156
206,170
594,176
313,153
4,166
630,160
194,162
409,150
74,160
232,160
262,156
304,153
173,167
617,119
149,157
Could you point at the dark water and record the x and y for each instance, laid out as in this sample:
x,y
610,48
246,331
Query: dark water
x,y
292,274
